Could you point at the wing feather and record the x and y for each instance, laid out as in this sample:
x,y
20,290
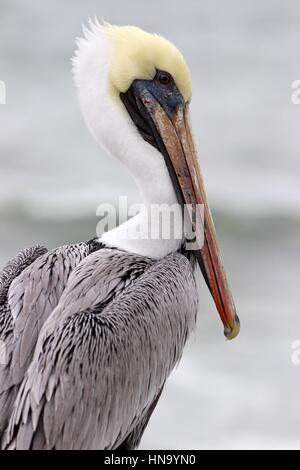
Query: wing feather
x,y
13,269
30,288
99,367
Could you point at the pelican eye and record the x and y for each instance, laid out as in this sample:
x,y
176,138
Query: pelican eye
x,y
164,78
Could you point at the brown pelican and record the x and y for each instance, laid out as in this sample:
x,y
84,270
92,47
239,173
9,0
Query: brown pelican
x,y
93,330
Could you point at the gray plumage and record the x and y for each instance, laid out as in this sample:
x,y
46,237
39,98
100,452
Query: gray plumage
x,y
30,287
13,269
94,336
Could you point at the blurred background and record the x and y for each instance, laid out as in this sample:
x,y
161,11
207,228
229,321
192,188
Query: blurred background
x,y
243,57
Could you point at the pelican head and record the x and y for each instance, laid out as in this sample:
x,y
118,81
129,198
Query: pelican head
x,y
134,90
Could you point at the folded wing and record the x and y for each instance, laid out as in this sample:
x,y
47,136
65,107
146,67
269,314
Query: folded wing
x,y
105,353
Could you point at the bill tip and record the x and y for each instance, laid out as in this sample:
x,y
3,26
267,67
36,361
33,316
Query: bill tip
x,y
232,332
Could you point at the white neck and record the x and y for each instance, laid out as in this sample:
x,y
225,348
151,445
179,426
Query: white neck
x,y
112,127
155,231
